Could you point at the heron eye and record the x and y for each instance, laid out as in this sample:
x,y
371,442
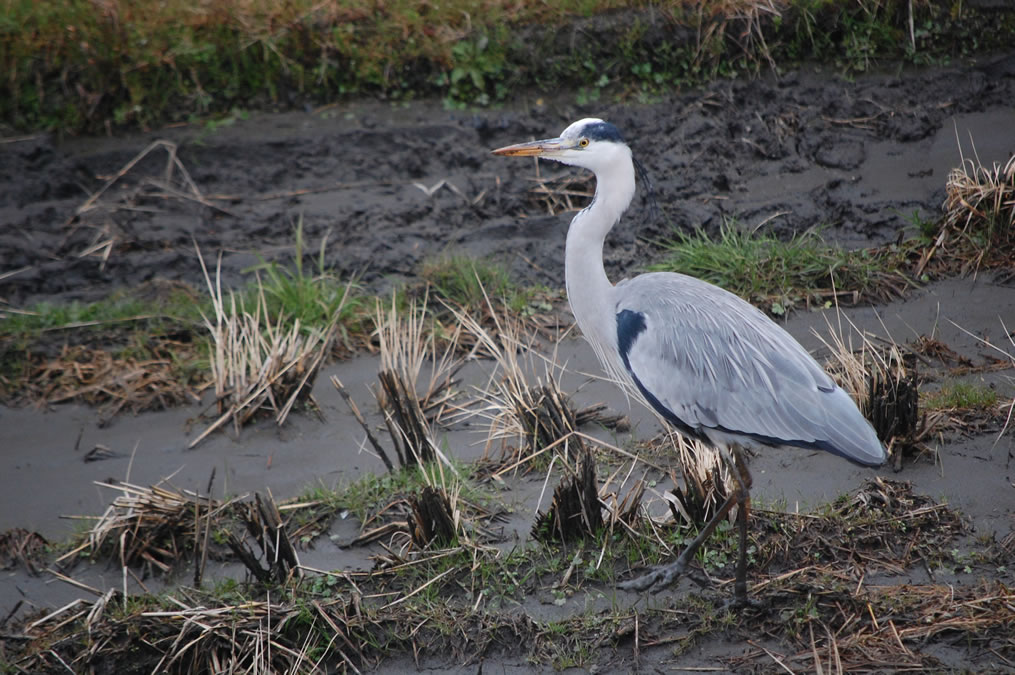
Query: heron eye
x,y
584,143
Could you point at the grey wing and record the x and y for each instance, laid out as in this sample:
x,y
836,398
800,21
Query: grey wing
x,y
718,368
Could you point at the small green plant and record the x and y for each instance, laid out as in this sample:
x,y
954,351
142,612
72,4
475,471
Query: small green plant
x,y
478,70
372,492
298,295
961,395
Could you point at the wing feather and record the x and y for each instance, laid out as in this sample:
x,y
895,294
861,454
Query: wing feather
x,y
721,367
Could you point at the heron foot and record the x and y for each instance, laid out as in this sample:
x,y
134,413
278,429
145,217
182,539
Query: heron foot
x,y
741,602
656,579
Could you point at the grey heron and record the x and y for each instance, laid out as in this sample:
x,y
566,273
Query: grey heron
x,y
712,365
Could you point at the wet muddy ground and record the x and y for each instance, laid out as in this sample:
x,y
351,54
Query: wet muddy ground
x,y
858,158
390,186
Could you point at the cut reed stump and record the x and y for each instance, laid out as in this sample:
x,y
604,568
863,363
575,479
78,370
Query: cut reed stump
x,y
576,511
893,402
264,524
546,415
410,431
431,520
695,502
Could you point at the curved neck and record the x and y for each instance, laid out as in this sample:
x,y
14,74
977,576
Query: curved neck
x,y
589,291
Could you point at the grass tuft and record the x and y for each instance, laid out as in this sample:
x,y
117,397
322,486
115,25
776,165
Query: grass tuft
x,y
467,282
780,275
961,395
294,294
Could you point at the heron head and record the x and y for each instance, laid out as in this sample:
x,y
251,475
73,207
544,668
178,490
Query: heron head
x,y
589,143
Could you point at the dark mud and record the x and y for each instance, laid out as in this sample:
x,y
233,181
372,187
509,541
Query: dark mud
x,y
858,158
808,149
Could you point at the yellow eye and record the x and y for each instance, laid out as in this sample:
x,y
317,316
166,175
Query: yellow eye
x,y
583,143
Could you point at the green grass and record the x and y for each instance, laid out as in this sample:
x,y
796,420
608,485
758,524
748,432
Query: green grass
x,y
960,395
778,275
119,309
294,293
368,494
468,281
80,66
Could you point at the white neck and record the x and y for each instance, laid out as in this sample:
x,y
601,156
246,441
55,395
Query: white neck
x,y
589,291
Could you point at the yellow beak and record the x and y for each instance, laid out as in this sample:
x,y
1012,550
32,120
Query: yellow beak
x,y
534,148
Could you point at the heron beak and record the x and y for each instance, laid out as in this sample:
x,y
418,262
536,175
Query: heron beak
x,y
534,148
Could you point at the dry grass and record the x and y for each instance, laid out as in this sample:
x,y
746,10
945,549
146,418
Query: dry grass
x,y
978,227
159,529
428,599
256,364
707,480
115,384
890,628
407,344
410,349
150,527
539,417
883,527
982,199
882,380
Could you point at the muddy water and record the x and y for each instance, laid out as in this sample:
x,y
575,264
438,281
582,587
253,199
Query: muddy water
x,y
47,477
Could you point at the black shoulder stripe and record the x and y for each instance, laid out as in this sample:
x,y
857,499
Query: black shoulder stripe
x,y
630,325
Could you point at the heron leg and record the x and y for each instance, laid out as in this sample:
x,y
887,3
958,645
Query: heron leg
x,y
661,577
742,475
